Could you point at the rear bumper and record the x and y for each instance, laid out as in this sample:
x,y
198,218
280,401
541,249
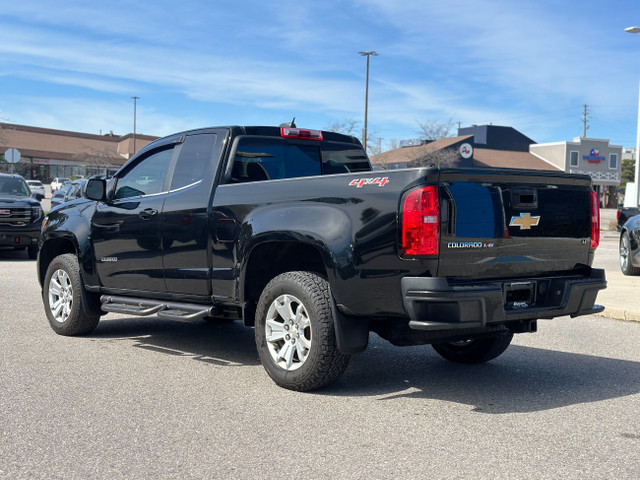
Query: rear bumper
x,y
434,304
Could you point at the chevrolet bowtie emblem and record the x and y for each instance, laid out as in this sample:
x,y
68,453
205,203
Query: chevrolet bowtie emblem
x,y
525,221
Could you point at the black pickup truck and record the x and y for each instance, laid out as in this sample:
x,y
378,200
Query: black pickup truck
x,y
291,232
20,215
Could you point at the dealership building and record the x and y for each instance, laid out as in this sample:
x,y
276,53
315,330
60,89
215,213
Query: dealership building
x,y
587,156
47,153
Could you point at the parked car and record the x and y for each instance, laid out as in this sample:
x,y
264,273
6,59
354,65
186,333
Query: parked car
x,y
625,213
20,215
37,189
630,246
58,183
70,191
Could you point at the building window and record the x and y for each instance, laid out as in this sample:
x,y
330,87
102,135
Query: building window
x,y
613,161
573,158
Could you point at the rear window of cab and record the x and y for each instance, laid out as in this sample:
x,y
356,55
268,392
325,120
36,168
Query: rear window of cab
x,y
270,158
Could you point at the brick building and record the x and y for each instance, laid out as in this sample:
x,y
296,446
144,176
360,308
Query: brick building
x,y
47,153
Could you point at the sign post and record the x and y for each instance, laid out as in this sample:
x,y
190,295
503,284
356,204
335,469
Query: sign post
x,y
12,156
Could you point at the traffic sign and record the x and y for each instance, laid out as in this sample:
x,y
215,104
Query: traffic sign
x,y
12,155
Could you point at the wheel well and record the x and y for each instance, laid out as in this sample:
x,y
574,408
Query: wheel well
x,y
51,250
270,260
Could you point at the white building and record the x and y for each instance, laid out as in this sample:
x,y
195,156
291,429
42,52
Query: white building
x,y
587,156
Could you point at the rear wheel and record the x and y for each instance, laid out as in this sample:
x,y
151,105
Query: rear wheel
x,y
64,298
625,256
474,351
295,332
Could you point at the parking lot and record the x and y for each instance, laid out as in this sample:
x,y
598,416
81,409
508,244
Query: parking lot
x,y
147,398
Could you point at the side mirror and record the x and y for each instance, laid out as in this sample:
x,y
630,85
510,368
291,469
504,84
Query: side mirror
x,y
96,189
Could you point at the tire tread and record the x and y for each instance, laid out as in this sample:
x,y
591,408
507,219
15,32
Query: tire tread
x,y
330,362
80,322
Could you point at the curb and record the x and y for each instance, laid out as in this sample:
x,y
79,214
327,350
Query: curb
x,y
620,314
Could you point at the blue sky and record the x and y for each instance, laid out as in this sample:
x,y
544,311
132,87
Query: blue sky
x,y
74,65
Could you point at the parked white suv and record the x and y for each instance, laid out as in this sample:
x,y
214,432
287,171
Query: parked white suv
x,y
37,188
58,182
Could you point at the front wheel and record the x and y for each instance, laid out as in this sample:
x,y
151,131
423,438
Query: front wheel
x,y
64,302
474,351
295,332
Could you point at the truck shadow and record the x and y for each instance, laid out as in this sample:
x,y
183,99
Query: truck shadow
x,y
523,379
226,344
14,255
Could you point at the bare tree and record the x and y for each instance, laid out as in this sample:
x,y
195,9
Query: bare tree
x,y
97,159
434,130
374,143
348,126
447,157
393,144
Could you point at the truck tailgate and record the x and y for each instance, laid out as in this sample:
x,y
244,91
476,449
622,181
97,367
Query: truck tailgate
x,y
505,225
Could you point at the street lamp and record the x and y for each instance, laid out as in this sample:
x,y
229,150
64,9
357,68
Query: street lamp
x,y
135,100
366,98
637,170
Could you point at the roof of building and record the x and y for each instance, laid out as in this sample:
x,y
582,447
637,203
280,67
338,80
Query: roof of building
x,y
498,137
409,154
37,142
486,157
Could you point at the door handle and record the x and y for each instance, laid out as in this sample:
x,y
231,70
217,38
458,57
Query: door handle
x,y
147,213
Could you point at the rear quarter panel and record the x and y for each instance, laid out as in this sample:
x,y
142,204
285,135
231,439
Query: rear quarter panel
x,y
355,230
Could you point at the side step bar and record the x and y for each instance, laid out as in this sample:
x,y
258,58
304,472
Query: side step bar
x,y
183,312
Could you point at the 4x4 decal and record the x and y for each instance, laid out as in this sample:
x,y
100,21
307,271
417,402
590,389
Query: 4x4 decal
x,y
361,182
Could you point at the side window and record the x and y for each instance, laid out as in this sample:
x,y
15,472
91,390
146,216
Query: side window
x,y
269,159
194,160
343,158
573,158
146,177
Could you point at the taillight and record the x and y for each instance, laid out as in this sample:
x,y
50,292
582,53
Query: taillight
x,y
421,222
595,221
301,133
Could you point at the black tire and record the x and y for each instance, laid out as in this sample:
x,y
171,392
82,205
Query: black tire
x,y
474,351
69,314
307,295
32,251
625,256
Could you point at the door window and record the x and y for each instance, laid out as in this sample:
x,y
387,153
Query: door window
x,y
145,177
194,160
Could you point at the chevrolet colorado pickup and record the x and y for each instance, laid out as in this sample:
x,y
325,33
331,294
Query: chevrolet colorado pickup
x,y
291,232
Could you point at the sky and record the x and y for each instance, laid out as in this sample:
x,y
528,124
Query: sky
x,y
75,65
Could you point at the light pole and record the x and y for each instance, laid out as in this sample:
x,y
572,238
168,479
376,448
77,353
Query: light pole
x,y
366,98
637,170
135,100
